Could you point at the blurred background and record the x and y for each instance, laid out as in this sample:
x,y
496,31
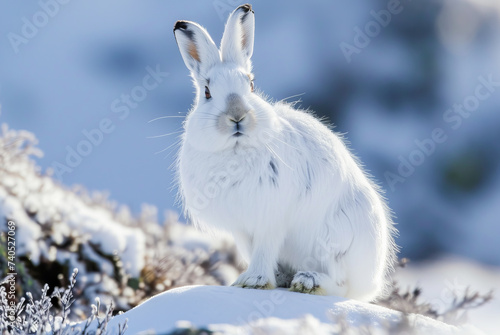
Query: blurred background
x,y
415,85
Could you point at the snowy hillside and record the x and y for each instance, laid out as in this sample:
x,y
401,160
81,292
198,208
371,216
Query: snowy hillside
x,y
231,310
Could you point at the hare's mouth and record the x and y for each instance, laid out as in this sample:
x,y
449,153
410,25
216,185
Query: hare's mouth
x,y
238,134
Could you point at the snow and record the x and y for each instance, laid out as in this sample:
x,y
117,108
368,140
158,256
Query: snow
x,y
49,201
235,310
441,278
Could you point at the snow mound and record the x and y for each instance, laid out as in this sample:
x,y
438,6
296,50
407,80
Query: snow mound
x,y
232,310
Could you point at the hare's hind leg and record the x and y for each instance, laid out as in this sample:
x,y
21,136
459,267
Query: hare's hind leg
x,y
366,268
313,282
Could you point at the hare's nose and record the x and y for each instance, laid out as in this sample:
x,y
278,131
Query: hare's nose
x,y
237,120
236,109
237,123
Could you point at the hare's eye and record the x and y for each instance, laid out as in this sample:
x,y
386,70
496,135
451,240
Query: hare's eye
x,y
252,86
207,93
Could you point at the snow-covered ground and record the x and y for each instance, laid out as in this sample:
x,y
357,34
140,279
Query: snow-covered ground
x,y
234,310
242,311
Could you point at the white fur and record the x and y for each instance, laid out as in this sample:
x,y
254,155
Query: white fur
x,y
290,192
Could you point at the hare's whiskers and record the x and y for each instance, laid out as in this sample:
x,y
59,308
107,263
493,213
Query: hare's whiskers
x,y
165,117
285,143
177,143
293,96
163,150
172,133
277,156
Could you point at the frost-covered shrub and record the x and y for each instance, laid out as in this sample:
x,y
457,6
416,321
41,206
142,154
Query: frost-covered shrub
x,y
37,316
409,302
120,257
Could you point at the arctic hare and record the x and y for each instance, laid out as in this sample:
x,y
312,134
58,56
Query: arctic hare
x,y
302,211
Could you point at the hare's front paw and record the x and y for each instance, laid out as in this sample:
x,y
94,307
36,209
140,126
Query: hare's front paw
x,y
252,280
307,282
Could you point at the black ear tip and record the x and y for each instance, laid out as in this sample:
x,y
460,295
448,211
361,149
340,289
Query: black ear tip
x,y
246,7
180,25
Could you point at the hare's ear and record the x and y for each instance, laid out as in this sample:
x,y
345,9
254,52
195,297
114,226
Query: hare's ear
x,y
197,48
237,41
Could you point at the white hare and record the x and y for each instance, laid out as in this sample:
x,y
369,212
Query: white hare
x,y
303,213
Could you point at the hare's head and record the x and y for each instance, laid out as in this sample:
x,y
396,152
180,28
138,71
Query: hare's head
x,y
226,111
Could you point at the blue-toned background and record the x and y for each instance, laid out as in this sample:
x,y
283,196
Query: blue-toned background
x,y
402,79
